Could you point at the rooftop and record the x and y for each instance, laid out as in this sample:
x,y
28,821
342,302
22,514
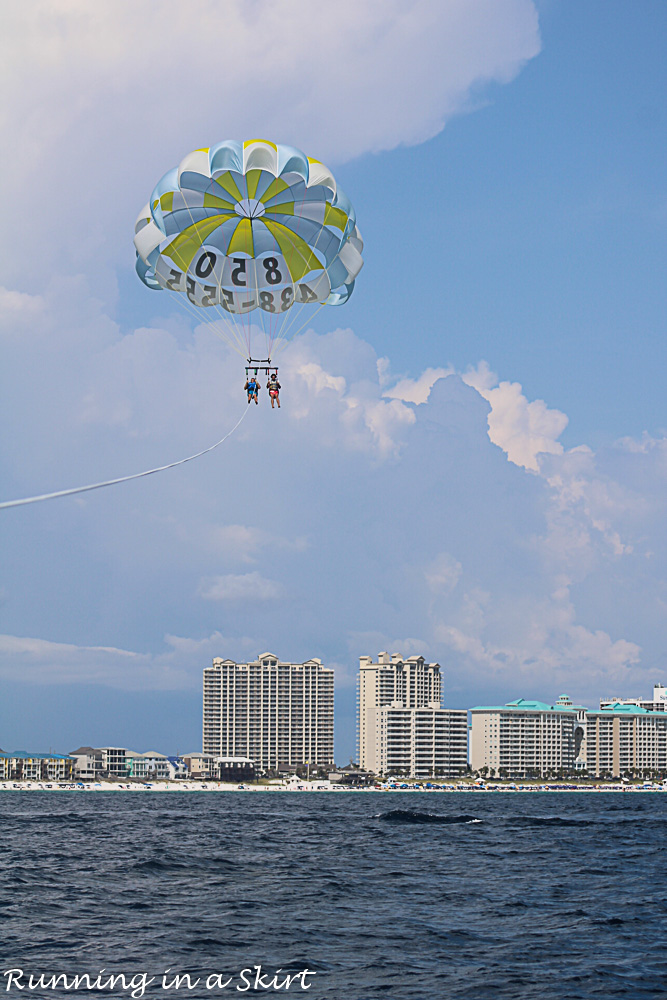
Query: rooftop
x,y
525,705
623,708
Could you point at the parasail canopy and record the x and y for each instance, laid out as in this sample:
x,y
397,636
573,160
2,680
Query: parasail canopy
x,y
244,232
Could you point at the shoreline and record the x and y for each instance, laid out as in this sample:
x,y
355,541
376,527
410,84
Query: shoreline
x,y
189,787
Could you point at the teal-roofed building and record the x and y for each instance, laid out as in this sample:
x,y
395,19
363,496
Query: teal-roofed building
x,y
526,738
626,739
658,703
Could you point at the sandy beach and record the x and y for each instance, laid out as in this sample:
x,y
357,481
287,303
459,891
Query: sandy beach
x,y
467,788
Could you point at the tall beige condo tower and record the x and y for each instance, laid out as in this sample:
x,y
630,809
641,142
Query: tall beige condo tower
x,y
273,712
396,682
402,726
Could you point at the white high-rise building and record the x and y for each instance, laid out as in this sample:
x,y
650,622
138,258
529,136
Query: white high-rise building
x,y
420,742
396,682
402,727
275,713
525,738
626,739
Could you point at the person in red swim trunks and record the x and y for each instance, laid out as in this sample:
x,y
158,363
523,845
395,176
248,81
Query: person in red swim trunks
x,y
273,385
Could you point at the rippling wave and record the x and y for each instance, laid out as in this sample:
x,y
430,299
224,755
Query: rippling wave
x,y
548,821
414,816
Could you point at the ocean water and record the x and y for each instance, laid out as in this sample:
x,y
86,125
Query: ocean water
x,y
397,896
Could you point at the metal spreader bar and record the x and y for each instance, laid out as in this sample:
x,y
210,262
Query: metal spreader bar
x,y
257,365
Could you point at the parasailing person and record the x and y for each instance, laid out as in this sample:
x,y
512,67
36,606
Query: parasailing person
x,y
252,388
273,385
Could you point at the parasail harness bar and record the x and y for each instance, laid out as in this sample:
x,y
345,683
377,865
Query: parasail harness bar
x,y
256,365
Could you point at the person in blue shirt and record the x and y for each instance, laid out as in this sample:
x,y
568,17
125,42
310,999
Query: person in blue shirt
x,y
252,388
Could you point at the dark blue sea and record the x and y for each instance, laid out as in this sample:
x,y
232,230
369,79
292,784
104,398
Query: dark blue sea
x,y
382,896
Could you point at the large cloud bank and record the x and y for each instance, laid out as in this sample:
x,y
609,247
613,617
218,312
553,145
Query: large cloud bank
x,y
100,96
437,515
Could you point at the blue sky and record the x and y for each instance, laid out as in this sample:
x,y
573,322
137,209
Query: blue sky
x,y
544,217
491,494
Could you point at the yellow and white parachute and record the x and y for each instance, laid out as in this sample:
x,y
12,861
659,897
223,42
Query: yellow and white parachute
x,y
244,232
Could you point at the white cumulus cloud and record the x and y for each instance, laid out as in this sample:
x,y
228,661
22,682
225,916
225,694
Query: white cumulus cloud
x,y
92,90
239,587
417,390
444,573
523,429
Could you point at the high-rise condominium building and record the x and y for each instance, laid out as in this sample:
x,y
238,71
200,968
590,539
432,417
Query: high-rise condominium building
x,y
626,739
525,738
421,742
402,727
277,714
393,681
